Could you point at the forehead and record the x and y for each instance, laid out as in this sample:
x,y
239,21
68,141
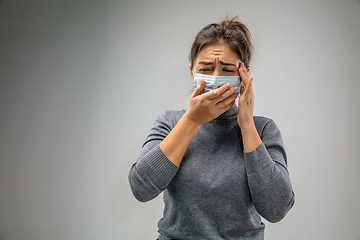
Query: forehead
x,y
223,52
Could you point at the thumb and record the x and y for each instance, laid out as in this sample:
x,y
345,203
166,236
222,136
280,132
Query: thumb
x,y
199,89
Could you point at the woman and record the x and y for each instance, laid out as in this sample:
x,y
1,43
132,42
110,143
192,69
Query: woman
x,y
220,168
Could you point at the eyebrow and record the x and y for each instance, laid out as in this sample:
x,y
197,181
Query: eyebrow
x,y
206,63
221,62
227,64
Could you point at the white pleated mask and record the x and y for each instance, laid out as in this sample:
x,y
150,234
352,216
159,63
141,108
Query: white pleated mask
x,y
213,82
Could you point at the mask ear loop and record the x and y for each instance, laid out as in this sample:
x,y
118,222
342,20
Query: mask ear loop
x,y
194,83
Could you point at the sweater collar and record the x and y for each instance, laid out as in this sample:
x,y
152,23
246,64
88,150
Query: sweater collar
x,y
232,112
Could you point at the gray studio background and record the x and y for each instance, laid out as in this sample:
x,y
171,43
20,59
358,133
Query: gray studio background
x,y
81,82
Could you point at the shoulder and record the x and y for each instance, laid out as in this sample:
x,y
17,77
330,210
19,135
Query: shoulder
x,y
265,126
173,114
262,121
170,117
163,124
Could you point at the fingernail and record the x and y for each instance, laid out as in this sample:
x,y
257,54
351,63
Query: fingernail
x,y
228,84
235,88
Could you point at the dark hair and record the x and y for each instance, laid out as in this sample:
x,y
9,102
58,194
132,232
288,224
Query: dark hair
x,y
230,32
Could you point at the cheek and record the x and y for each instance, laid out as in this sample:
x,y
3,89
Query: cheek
x,y
192,76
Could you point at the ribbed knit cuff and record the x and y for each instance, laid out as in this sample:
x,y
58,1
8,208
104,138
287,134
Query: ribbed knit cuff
x,y
163,169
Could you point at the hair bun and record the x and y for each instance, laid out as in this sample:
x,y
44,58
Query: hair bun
x,y
234,23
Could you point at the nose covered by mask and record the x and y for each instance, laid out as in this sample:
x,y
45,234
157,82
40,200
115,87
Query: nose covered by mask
x,y
213,82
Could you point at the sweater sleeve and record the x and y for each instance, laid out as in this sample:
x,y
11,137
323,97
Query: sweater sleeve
x,y
268,178
152,170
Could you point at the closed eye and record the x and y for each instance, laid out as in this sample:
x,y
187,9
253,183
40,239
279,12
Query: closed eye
x,y
228,70
204,69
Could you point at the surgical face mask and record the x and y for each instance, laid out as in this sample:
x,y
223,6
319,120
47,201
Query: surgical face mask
x,y
213,82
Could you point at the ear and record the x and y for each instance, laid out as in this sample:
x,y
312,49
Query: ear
x,y
191,73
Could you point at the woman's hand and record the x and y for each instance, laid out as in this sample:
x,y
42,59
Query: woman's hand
x,y
251,138
246,99
205,107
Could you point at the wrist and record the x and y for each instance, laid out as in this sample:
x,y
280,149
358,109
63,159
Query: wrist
x,y
251,138
189,121
248,125
248,128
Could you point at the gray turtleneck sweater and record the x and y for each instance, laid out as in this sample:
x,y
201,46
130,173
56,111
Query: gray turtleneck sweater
x,y
219,191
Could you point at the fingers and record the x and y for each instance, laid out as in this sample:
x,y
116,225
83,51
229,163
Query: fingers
x,y
243,73
226,103
222,92
248,94
242,89
199,89
229,94
249,86
221,98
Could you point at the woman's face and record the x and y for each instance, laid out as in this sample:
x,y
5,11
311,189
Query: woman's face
x,y
216,60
